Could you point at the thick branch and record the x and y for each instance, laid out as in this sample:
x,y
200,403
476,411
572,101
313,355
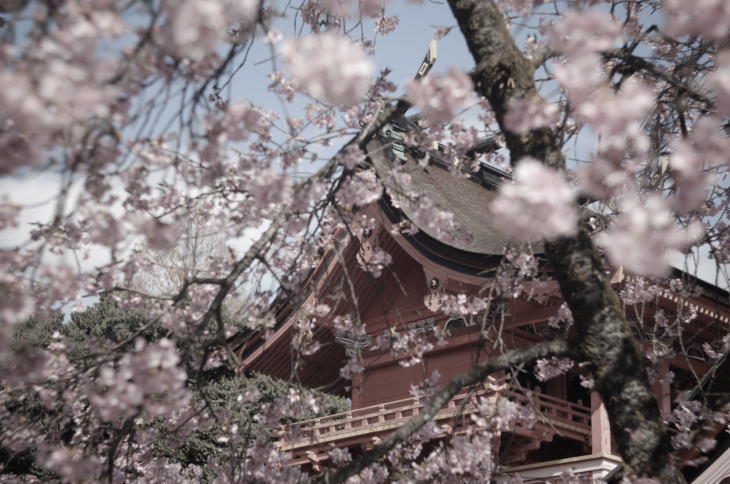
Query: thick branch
x,y
475,375
641,64
603,336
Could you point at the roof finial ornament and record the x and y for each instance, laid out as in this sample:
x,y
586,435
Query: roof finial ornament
x,y
429,60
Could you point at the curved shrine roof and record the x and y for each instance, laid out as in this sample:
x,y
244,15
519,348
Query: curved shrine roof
x,y
467,197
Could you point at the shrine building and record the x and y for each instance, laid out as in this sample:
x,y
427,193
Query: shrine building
x,y
571,429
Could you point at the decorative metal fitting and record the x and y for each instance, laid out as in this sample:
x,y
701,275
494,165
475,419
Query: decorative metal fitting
x,y
422,326
354,346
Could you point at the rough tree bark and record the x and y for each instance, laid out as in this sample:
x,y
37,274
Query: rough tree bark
x,y
603,336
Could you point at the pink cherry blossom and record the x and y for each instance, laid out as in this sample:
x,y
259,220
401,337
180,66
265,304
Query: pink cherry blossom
x,y
241,120
386,25
719,81
273,36
351,156
693,161
440,97
377,262
585,31
617,116
639,238
337,8
361,189
70,463
521,7
539,204
709,138
122,391
547,369
372,8
692,182
340,456
563,319
524,115
328,67
267,187
602,178
243,11
580,76
461,304
16,302
445,465
709,18
159,235
195,27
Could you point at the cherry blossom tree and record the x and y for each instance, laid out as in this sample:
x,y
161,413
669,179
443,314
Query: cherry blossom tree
x,y
129,107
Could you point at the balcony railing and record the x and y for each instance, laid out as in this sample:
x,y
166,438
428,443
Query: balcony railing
x,y
564,417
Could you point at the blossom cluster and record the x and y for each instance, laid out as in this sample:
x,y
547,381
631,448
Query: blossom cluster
x,y
590,30
642,233
328,68
440,97
539,204
526,115
195,28
692,161
710,19
547,369
148,379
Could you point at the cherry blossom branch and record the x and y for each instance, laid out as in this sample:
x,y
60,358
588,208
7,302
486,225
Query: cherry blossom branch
x,y
214,311
114,445
285,214
713,380
638,63
474,376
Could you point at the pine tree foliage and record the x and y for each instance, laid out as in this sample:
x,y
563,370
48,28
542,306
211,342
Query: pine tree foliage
x,y
221,387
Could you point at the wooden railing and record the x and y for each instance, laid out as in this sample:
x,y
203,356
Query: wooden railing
x,y
549,410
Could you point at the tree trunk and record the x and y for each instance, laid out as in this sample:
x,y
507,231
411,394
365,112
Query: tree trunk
x,y
603,335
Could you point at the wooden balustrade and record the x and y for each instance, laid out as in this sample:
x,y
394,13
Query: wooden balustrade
x,y
549,410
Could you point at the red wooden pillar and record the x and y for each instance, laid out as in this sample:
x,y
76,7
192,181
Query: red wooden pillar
x,y
558,387
662,388
600,428
356,390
